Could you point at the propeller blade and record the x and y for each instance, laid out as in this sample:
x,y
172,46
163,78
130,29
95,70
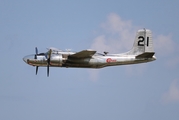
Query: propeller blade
x,y
48,61
48,71
50,52
36,50
36,53
37,69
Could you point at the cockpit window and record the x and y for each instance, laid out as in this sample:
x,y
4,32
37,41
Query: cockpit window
x,y
99,54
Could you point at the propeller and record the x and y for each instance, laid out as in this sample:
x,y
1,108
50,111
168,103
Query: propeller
x,y
48,56
35,57
48,61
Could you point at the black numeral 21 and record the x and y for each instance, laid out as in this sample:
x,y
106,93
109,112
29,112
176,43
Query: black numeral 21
x,y
141,41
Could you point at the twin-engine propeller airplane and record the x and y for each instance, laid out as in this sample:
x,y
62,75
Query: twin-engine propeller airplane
x,y
141,52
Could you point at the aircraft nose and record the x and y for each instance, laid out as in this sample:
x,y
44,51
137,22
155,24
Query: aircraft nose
x,y
29,57
25,59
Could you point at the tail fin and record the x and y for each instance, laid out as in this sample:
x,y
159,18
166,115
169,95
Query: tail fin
x,y
143,46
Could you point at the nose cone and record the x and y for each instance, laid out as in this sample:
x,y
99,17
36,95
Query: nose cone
x,y
27,58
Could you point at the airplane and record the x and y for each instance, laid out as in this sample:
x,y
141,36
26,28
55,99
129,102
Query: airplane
x,y
141,52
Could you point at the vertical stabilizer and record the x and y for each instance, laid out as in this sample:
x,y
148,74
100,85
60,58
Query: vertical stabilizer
x,y
143,45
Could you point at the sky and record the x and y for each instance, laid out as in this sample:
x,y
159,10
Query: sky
x,y
148,91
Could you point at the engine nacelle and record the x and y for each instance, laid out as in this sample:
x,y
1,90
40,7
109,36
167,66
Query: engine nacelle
x,y
56,60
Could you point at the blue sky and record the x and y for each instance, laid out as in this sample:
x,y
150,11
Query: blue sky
x,y
146,91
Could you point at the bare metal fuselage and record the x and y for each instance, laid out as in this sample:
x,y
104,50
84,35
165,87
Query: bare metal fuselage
x,y
96,61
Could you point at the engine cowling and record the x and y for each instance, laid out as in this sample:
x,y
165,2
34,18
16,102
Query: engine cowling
x,y
56,60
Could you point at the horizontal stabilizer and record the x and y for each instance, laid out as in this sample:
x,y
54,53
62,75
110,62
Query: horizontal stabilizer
x,y
146,55
83,54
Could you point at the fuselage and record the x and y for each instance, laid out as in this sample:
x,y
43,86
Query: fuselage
x,y
60,59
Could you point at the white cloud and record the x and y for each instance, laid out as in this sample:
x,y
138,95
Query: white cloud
x,y
118,35
100,40
172,95
173,62
93,74
164,45
115,24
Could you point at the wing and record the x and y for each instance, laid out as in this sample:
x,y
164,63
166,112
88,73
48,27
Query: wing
x,y
83,54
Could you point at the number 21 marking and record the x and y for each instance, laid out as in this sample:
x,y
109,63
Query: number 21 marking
x,y
141,40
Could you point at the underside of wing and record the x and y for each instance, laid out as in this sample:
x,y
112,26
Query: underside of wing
x,y
83,54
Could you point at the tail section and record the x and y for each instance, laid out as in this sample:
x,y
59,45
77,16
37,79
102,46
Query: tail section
x,y
143,45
